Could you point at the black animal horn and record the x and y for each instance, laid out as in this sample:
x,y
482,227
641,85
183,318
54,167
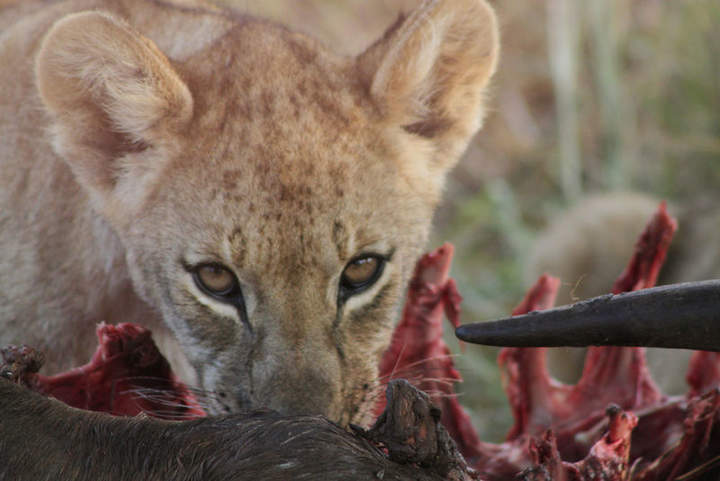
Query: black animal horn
x,y
683,316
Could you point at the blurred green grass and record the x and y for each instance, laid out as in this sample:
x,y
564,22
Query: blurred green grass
x,y
647,104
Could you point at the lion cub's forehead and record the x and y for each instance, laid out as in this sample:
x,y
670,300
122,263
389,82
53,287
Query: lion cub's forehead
x,y
276,108
262,84
285,136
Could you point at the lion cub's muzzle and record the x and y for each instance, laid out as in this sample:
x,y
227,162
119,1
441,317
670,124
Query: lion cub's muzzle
x,y
286,382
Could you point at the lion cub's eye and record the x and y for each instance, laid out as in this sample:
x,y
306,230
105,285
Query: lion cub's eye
x,y
361,272
215,280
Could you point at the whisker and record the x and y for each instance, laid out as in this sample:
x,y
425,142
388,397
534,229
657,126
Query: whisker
x,y
157,398
168,396
397,361
417,364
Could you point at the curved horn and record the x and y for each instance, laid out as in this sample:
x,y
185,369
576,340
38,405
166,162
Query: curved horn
x,y
685,316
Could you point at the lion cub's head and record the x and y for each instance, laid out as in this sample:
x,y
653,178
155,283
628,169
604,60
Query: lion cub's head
x,y
272,196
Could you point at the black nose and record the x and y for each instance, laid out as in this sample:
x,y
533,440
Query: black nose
x,y
685,316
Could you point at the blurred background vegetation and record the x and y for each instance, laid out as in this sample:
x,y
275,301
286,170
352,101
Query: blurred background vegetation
x,y
597,96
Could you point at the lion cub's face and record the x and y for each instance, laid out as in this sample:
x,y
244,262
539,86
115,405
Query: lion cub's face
x,y
272,197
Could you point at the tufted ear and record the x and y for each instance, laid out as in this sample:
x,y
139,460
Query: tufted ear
x,y
112,95
429,71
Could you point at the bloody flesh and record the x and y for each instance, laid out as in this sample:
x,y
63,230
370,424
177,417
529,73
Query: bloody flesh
x,y
614,424
126,376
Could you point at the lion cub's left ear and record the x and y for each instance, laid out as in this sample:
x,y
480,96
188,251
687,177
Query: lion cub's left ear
x,y
429,72
112,95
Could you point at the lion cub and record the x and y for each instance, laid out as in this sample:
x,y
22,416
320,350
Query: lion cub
x,y
256,200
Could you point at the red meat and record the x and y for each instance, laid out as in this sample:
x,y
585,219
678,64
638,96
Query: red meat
x,y
126,376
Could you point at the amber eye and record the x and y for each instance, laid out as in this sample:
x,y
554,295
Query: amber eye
x,y
361,273
215,279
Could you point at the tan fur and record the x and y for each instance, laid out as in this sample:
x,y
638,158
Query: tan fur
x,y
143,137
589,245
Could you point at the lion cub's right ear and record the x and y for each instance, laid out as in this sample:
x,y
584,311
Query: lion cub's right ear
x,y
429,73
112,94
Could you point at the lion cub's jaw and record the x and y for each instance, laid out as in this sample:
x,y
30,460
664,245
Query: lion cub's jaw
x,y
270,159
